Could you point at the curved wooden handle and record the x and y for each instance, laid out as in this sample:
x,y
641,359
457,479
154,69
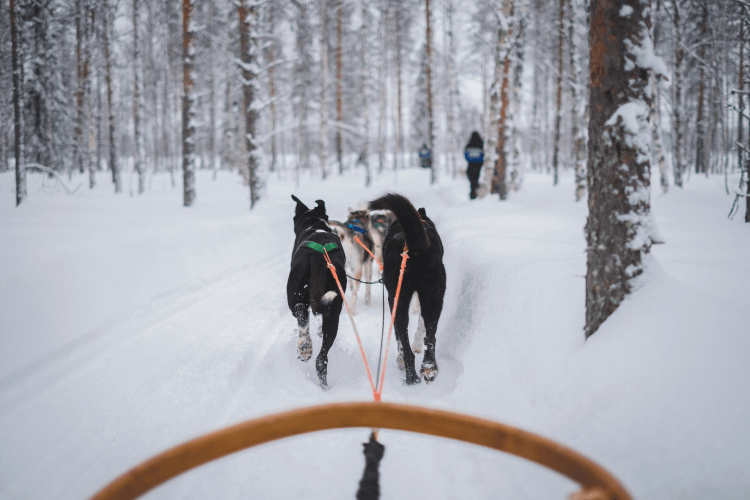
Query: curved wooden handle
x,y
186,456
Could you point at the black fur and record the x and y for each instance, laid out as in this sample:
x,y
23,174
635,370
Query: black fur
x,y
424,274
309,280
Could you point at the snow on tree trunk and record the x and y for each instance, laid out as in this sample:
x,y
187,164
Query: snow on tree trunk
x,y
399,100
248,16
655,112
113,164
137,163
428,67
385,16
323,130
339,65
17,108
558,113
188,98
678,166
513,147
82,76
365,94
270,59
658,155
451,90
740,119
741,97
211,91
619,229
700,128
578,133
303,80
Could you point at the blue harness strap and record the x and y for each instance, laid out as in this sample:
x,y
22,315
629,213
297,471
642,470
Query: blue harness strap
x,y
357,228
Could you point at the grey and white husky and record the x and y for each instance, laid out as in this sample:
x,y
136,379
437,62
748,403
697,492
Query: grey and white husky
x,y
358,260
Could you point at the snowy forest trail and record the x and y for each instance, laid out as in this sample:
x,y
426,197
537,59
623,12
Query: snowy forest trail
x,y
133,325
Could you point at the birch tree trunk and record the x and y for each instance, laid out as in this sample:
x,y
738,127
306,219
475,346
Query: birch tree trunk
x,y
385,16
430,119
323,130
398,154
513,150
499,179
700,129
270,59
248,15
365,94
339,62
558,114
137,165
679,55
173,49
619,228
188,100
113,164
658,155
100,108
17,109
451,150
211,92
743,161
577,96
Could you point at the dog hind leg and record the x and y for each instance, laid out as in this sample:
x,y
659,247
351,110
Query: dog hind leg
x,y
431,308
368,279
304,343
355,290
401,325
330,330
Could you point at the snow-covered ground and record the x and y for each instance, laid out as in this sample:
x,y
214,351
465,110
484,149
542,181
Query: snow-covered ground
x,y
131,324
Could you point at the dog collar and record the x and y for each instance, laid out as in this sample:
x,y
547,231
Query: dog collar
x,y
357,228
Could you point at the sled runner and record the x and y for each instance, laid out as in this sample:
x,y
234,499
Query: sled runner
x,y
596,483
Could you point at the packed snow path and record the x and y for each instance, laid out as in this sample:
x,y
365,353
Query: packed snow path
x,y
130,325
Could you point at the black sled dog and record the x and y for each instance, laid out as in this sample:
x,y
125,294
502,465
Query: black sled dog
x,y
311,284
424,274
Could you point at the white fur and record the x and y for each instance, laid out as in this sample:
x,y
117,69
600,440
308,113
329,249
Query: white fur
x,y
354,256
328,298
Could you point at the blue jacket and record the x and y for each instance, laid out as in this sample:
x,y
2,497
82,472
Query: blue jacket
x,y
474,155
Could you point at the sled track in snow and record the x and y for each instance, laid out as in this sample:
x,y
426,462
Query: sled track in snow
x,y
53,367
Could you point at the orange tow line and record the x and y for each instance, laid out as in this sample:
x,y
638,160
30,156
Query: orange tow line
x,y
377,391
356,238
404,256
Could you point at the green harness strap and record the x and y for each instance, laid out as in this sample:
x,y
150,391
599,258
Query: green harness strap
x,y
330,247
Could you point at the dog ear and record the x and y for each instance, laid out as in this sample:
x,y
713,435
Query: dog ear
x,y
422,213
321,206
301,207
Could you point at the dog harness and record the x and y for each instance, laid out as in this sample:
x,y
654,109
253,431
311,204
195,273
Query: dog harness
x,y
328,247
357,228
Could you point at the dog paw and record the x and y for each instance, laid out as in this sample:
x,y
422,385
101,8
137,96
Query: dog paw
x,y
412,378
429,372
304,348
321,366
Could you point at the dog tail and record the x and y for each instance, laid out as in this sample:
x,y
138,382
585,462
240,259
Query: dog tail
x,y
407,216
324,306
321,299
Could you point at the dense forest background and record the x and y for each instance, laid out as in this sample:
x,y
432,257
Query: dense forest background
x,y
324,86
